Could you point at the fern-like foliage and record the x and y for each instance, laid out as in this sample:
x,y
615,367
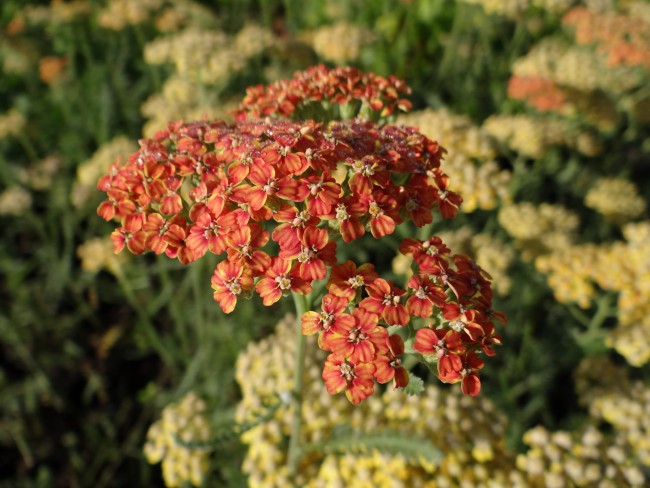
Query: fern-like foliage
x,y
346,440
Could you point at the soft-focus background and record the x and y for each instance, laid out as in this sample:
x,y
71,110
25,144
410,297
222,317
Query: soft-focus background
x,y
544,107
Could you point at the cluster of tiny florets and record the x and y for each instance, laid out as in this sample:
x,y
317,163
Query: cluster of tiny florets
x,y
170,441
468,430
343,86
304,186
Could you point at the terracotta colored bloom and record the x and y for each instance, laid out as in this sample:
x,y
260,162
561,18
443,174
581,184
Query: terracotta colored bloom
x,y
384,215
130,235
417,200
428,254
466,374
448,201
346,279
230,281
384,299
360,340
242,244
426,295
342,374
280,279
314,252
266,184
209,233
445,344
332,316
162,232
389,366
323,192
347,214
292,223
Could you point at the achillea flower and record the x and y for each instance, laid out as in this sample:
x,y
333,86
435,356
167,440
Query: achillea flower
x,y
239,189
182,423
97,254
616,198
12,123
118,14
623,39
341,86
340,43
539,229
15,201
469,430
532,136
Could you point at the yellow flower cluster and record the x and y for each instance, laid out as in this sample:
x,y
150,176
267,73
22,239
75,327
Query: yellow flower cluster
x,y
182,13
203,59
617,199
569,273
470,160
58,12
560,459
38,175
182,422
14,201
207,56
118,14
533,136
467,430
12,123
517,8
610,395
340,43
179,99
88,173
97,254
621,267
638,9
539,229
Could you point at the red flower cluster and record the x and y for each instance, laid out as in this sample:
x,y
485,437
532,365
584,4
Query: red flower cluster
x,y
623,39
318,84
451,289
231,189
541,93
239,178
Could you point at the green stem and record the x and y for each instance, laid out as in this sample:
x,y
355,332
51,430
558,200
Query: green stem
x,y
302,305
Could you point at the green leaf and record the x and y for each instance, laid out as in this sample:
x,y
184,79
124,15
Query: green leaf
x,y
415,386
413,447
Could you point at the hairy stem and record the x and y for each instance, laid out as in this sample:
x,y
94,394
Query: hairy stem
x,y
302,305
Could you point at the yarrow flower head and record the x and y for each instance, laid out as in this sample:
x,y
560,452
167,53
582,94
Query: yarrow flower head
x,y
276,197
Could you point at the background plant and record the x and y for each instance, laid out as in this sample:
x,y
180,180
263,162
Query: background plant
x,y
91,354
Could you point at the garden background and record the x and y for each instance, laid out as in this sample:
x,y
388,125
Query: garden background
x,y
544,108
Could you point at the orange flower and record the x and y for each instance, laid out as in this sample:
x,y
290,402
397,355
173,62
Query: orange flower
x,y
356,379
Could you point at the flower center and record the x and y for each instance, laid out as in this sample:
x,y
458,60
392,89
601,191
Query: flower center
x,y
375,210
356,281
234,287
357,335
391,300
347,371
457,325
306,254
342,213
284,283
270,188
421,293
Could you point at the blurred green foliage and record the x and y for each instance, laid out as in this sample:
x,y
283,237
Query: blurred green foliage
x,y
88,359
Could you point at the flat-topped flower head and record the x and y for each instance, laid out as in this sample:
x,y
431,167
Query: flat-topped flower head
x,y
278,198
